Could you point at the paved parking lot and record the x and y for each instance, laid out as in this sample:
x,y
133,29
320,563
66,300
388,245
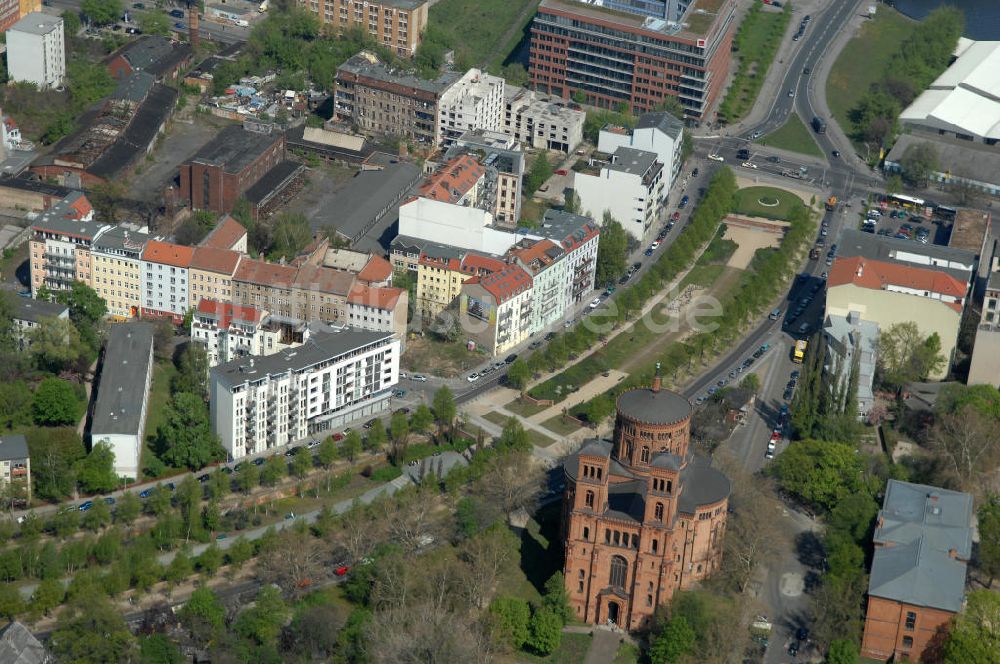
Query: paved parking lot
x,y
905,226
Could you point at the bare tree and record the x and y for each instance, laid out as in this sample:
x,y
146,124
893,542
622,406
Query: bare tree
x,y
408,517
420,633
293,561
512,483
485,556
358,532
966,444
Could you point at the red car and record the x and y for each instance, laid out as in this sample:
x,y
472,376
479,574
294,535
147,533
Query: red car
x,y
675,216
561,171
775,436
337,437
342,570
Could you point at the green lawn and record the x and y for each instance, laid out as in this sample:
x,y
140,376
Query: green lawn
x,y
701,275
538,439
478,30
572,650
523,408
863,62
627,654
793,136
159,396
755,44
748,202
496,418
558,425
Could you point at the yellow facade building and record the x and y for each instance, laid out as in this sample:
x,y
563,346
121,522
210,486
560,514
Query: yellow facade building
x,y
116,270
211,275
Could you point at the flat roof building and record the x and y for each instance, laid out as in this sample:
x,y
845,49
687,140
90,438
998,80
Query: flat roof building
x,y
36,50
542,121
396,25
614,57
336,377
122,402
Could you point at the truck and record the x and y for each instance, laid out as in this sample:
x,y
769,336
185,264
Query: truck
x,y
799,351
831,203
819,126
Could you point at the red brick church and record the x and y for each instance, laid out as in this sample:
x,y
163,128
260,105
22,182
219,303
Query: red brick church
x,y
642,516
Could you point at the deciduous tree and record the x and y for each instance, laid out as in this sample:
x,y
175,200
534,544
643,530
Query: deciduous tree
x,y
974,637
96,471
91,631
612,251
185,438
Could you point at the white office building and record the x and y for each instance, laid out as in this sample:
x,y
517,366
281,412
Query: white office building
x,y
454,226
475,101
333,378
542,121
660,133
852,345
120,409
629,186
36,50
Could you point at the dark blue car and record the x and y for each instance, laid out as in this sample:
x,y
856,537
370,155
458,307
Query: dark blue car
x,y
86,506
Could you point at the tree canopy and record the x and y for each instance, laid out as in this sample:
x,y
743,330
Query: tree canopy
x,y
818,472
185,437
612,251
974,637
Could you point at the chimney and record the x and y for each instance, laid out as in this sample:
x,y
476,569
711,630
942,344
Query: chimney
x,y
195,38
953,553
861,268
656,379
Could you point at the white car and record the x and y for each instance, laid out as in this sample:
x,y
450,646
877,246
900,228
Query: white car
x,y
596,303
313,444
656,244
419,378
402,374
473,377
716,157
748,164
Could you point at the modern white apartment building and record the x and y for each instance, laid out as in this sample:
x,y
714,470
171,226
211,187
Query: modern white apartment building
x,y
165,271
629,186
333,378
119,416
230,331
475,101
378,309
660,133
577,237
36,50
454,225
542,121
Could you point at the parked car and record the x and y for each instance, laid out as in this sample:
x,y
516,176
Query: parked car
x,y
204,478
259,461
561,171
595,303
146,493
684,201
177,13
716,157
86,506
109,501
342,570
419,378
472,377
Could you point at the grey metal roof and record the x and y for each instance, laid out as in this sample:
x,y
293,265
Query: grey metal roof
x,y
663,121
127,363
596,447
235,148
666,460
320,347
59,224
37,310
631,161
37,23
627,500
915,573
114,239
918,528
155,54
134,87
558,225
19,646
275,179
13,446
701,485
357,210
654,407
367,64
854,243
139,135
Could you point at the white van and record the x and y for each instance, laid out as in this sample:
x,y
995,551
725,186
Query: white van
x,y
776,314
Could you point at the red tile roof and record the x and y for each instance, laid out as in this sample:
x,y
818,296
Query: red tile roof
x,y
225,235
168,253
260,272
223,261
452,264
226,312
375,270
507,283
876,275
539,255
379,298
481,265
324,279
453,180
